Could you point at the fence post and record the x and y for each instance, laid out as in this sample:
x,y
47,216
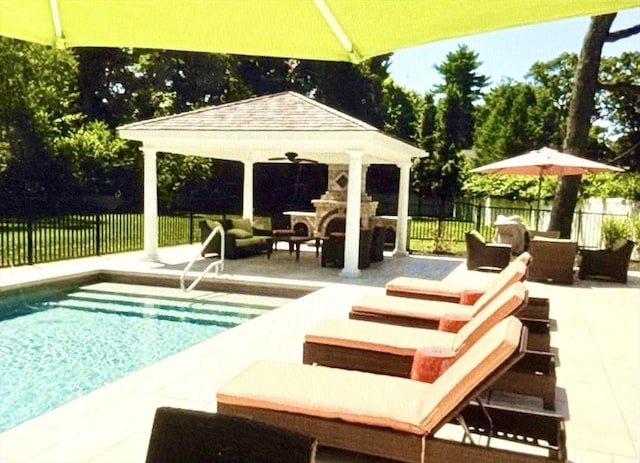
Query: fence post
x,y
30,240
190,227
98,234
478,216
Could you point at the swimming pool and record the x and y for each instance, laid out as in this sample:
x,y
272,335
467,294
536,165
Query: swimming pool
x,y
61,346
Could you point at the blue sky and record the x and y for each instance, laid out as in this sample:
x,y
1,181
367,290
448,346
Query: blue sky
x,y
507,53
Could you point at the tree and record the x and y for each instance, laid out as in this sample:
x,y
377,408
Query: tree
x,y
581,111
620,101
459,72
447,127
37,105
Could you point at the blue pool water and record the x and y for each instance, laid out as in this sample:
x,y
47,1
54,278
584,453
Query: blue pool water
x,y
54,350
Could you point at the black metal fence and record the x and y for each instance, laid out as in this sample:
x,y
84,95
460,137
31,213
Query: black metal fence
x,y
28,241
37,240
467,216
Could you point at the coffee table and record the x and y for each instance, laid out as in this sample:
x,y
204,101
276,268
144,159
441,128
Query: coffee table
x,y
295,242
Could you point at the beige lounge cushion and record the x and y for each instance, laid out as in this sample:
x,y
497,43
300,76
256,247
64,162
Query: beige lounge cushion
x,y
377,337
503,280
376,400
434,310
504,305
412,286
402,340
382,304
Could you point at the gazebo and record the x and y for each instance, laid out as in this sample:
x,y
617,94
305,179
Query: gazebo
x,y
261,128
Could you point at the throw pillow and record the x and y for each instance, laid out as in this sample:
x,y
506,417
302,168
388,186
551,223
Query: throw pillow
x,y
244,224
619,244
239,233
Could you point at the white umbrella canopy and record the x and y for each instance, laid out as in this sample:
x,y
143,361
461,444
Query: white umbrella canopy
x,y
336,30
545,161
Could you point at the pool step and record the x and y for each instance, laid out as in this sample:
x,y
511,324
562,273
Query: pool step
x,y
145,307
172,304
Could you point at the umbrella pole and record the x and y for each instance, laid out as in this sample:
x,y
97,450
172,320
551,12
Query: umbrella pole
x,y
538,208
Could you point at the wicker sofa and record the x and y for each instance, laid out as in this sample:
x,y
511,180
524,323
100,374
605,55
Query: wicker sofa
x,y
552,260
608,263
240,238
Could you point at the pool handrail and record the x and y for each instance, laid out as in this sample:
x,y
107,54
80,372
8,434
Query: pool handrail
x,y
218,264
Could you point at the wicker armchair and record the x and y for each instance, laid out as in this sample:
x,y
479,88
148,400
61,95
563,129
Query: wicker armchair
x,y
608,263
486,256
193,436
552,260
333,249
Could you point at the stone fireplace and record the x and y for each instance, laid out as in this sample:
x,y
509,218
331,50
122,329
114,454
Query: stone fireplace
x,y
333,203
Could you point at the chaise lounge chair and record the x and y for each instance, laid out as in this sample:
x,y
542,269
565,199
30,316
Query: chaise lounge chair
x,y
388,416
427,314
437,290
389,349
192,436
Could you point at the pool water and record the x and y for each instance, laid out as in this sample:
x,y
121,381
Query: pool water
x,y
56,349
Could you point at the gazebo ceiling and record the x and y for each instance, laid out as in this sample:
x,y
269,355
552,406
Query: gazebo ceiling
x,y
268,126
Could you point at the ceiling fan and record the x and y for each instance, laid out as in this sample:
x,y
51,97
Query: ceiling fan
x,y
293,157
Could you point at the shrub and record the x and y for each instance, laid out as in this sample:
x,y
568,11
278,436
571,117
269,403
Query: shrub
x,y
614,229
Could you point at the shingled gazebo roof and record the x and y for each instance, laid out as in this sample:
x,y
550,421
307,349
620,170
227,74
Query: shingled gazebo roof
x,y
264,127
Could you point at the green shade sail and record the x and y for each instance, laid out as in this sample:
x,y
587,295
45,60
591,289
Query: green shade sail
x,y
335,30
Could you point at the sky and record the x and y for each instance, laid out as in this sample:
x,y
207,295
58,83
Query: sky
x,y
507,53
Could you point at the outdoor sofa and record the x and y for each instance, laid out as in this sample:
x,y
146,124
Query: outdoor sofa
x,y
390,349
241,239
395,417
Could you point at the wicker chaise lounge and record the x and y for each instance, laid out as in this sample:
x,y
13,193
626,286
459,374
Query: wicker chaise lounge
x,y
389,349
387,416
447,291
427,314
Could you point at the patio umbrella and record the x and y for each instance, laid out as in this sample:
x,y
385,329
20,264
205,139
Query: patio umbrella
x,y
336,30
545,161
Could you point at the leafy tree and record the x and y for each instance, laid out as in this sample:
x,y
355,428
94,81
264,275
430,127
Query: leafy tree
x,y
620,101
401,110
447,127
507,123
37,105
459,72
581,111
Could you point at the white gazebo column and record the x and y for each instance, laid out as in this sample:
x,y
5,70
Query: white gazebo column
x,y
247,191
150,204
403,211
352,226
